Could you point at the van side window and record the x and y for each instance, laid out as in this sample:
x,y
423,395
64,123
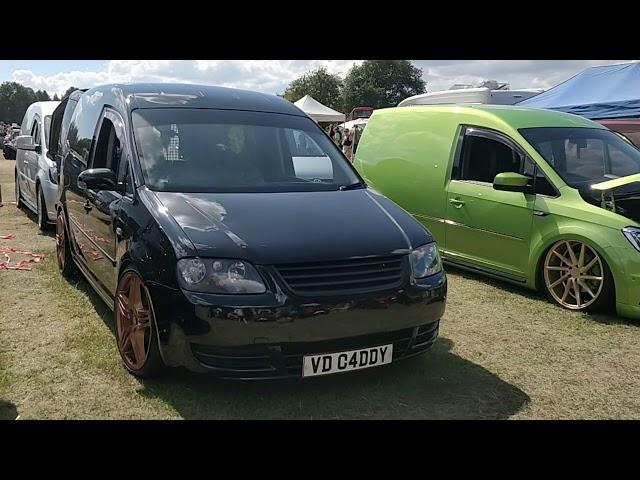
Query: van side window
x,y
35,132
109,150
484,158
82,127
542,183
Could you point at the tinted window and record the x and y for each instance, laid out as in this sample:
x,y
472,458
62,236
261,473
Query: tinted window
x,y
35,132
542,184
206,150
484,158
110,150
66,121
583,156
83,125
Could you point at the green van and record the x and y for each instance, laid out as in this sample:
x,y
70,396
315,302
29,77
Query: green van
x,y
535,197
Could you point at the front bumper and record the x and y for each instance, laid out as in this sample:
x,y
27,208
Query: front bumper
x,y
260,340
50,192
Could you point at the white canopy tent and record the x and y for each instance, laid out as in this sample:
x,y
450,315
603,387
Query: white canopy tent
x,y
358,121
318,111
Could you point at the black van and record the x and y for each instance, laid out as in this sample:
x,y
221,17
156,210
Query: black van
x,y
230,235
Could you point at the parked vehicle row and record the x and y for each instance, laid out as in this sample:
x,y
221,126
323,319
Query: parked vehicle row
x,y
229,234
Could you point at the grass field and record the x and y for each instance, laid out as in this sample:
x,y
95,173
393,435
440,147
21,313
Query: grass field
x,y
503,353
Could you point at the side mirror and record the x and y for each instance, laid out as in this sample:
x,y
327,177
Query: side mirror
x,y
25,142
511,182
98,179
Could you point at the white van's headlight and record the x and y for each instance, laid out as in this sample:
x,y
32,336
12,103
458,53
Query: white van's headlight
x,y
425,261
217,275
633,235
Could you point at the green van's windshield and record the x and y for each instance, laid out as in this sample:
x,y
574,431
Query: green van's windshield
x,y
584,156
207,150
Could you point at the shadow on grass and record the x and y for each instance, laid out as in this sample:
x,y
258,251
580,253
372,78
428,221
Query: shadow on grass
x,y
608,317
50,231
437,385
8,410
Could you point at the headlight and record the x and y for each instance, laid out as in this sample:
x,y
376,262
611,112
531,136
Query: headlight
x,y
53,174
217,275
633,235
425,261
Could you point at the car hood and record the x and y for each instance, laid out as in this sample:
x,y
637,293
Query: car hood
x,y
272,228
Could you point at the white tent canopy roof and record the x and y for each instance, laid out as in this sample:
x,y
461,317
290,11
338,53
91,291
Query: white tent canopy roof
x,y
318,111
353,123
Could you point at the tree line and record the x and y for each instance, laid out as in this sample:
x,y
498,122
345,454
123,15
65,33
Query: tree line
x,y
374,83
16,98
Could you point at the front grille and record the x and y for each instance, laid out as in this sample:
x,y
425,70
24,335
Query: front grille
x,y
285,360
343,277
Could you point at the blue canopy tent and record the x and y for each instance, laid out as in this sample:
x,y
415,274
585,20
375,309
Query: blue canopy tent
x,y
610,91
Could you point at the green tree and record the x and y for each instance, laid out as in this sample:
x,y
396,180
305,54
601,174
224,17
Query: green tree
x,y
55,97
42,96
14,101
320,84
381,83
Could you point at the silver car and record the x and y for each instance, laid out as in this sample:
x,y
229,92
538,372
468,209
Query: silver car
x,y
36,176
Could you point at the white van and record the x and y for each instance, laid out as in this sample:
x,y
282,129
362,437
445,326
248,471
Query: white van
x,y
36,176
471,96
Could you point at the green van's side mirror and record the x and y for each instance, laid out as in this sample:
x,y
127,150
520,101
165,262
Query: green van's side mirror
x,y
511,182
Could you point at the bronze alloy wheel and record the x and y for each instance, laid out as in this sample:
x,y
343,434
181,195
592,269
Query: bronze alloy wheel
x,y
134,321
574,274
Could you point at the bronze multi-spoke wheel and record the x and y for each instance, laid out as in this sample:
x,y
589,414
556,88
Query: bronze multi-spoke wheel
x,y
575,276
63,251
135,326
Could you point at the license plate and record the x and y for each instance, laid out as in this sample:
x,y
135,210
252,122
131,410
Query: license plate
x,y
325,364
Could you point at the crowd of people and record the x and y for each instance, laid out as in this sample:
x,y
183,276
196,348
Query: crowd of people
x,y
347,140
6,132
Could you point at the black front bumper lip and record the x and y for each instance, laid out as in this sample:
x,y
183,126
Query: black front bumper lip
x,y
270,362
205,333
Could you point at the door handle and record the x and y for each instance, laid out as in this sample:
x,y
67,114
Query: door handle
x,y
87,206
456,202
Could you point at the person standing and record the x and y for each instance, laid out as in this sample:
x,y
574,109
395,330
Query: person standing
x,y
356,138
337,137
347,144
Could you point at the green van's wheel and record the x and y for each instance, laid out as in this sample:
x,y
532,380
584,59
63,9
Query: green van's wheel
x,y
576,276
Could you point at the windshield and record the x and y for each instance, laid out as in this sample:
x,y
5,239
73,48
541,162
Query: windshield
x,y
207,150
47,127
584,156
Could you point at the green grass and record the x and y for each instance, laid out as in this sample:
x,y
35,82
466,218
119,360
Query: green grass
x,y
504,352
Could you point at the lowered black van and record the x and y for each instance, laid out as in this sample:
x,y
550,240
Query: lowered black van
x,y
229,234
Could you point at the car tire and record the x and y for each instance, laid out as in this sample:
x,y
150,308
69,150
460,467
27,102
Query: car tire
x,y
63,248
41,211
575,276
19,203
135,326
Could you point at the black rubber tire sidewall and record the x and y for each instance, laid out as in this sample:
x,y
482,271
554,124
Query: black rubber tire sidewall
x,y
70,270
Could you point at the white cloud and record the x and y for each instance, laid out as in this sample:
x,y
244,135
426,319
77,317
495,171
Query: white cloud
x,y
273,76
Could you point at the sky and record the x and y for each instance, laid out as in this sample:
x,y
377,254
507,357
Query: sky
x,y
273,76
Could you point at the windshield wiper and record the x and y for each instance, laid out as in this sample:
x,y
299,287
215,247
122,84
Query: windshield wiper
x,y
352,186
